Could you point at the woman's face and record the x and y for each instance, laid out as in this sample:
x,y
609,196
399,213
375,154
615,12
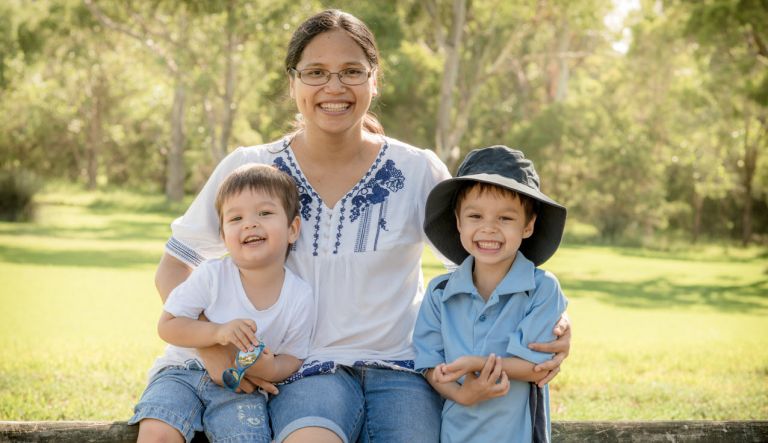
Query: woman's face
x,y
333,108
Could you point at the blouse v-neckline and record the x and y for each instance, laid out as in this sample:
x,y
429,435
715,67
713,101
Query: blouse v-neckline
x,y
374,164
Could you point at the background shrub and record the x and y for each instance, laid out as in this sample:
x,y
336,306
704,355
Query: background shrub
x,y
17,191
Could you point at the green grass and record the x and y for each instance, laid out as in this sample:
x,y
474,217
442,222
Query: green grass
x,y
657,335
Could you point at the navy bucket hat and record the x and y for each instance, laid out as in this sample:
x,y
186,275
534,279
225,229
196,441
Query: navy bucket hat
x,y
500,166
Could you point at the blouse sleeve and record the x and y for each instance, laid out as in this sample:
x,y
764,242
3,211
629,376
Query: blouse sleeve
x,y
195,235
436,173
544,310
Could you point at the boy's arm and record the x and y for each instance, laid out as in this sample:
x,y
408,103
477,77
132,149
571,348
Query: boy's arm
x,y
492,382
449,390
190,333
515,368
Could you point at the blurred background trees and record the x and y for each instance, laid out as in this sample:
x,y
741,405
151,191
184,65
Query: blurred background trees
x,y
649,125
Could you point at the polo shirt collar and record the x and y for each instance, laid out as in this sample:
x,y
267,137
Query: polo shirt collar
x,y
520,278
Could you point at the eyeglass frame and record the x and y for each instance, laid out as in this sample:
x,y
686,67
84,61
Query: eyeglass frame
x,y
240,370
297,73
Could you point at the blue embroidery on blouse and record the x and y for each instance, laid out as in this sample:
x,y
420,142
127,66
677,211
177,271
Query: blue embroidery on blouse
x,y
387,179
307,195
362,232
316,367
382,224
304,198
373,189
368,192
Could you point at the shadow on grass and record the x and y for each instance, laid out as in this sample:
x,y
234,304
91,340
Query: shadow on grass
x,y
115,230
661,293
94,258
689,254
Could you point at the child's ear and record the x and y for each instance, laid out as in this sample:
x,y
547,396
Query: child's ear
x,y
293,230
528,230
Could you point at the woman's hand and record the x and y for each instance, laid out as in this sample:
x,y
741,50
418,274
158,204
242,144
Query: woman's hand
x,y
561,347
256,382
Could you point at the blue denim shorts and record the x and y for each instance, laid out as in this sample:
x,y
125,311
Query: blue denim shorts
x,y
187,399
360,404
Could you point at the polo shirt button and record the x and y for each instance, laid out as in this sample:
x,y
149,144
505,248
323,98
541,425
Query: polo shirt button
x,y
482,317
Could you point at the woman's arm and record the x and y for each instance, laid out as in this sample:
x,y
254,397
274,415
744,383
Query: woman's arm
x,y
561,347
274,368
171,272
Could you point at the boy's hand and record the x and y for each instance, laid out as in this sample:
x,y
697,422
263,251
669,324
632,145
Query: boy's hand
x,y
462,366
491,383
240,332
436,375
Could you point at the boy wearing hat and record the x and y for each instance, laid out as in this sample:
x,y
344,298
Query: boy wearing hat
x,y
475,323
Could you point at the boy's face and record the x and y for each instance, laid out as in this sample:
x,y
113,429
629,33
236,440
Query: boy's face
x,y
256,229
491,227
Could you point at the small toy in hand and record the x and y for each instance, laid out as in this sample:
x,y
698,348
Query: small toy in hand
x,y
231,377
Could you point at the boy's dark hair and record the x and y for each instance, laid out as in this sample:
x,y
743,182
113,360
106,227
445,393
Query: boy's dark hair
x,y
530,205
260,178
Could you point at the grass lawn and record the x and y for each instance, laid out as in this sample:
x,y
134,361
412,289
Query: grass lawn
x,y
657,335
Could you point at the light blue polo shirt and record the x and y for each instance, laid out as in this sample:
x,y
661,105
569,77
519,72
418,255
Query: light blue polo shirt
x,y
455,321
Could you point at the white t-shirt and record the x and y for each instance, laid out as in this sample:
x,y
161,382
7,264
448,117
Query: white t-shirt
x,y
362,257
215,289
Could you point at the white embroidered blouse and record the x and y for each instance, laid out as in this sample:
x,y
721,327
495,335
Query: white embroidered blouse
x,y
362,257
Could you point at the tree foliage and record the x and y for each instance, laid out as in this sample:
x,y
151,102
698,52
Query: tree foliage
x,y
668,134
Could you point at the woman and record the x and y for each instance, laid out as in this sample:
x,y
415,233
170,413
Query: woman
x,y
362,197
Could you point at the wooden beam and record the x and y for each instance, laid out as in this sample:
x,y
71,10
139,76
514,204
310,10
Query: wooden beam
x,y
563,431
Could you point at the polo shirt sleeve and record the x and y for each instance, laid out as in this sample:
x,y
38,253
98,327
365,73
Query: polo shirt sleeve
x,y
427,334
297,338
193,295
547,303
195,235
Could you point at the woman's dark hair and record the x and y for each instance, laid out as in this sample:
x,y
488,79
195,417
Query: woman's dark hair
x,y
330,20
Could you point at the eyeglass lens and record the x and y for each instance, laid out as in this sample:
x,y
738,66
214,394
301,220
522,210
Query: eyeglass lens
x,y
317,77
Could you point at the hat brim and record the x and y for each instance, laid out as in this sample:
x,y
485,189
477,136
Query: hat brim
x,y
440,219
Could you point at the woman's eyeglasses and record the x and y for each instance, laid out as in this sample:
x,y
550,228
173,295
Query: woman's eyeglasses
x,y
319,77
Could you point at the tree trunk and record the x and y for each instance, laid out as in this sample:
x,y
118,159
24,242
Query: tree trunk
x,y
445,147
698,205
95,136
230,77
174,185
750,165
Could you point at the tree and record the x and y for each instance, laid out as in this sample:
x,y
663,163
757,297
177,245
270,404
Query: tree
x,y
501,41
734,40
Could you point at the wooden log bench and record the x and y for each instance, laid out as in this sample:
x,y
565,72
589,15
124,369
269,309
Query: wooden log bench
x,y
563,431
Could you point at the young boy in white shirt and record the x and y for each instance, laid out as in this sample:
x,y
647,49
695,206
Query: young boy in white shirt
x,y
252,302
475,324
